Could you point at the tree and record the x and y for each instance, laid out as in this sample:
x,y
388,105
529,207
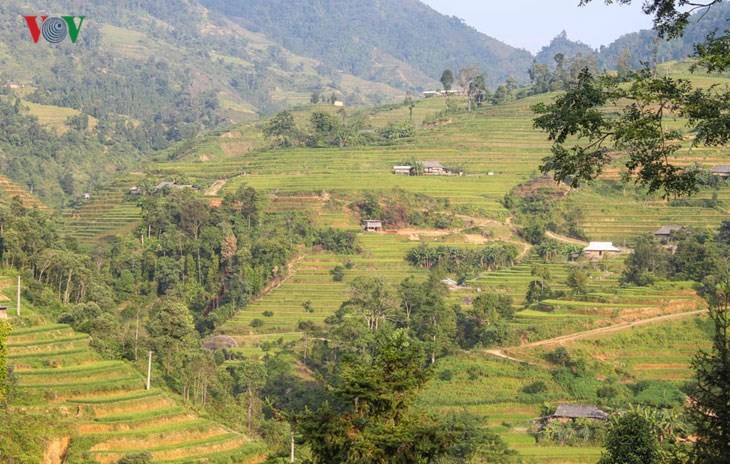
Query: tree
x,y
630,440
640,128
371,419
447,80
171,331
249,378
710,392
373,299
282,129
578,281
648,261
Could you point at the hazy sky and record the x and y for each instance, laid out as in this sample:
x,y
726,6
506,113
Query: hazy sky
x,y
531,24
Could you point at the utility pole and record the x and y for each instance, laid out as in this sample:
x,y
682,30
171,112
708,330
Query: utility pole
x,y
149,370
17,308
291,452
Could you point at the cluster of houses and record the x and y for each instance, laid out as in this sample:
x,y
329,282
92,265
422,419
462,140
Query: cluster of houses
x,y
598,250
430,168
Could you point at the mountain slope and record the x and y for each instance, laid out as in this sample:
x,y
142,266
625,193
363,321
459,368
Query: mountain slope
x,y
398,42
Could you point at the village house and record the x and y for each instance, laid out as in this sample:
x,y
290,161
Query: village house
x,y
3,313
571,412
87,196
721,171
135,191
372,225
403,170
434,168
599,249
430,93
664,233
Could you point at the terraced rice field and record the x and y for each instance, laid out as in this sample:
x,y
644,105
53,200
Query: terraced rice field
x,y
107,404
9,190
618,218
107,214
499,140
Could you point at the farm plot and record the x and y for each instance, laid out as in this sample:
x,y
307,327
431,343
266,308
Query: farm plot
x,y
493,390
107,213
106,403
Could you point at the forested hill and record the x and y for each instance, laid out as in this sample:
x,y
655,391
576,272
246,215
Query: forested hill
x,y
393,41
642,46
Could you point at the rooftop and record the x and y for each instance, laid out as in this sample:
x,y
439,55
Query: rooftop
x,y
601,246
666,230
575,411
722,169
432,164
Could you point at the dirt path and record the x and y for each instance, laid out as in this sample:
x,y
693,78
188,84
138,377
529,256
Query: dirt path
x,y
500,353
215,188
564,239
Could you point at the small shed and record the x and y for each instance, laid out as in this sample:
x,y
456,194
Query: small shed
x,y
3,313
87,196
339,103
134,191
721,171
571,412
403,170
434,168
430,93
372,225
599,249
664,233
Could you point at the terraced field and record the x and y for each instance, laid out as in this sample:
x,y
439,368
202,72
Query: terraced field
x,y
9,190
107,404
107,214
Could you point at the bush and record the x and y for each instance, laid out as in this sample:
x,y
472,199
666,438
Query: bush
x,y
535,387
268,313
338,273
256,323
446,375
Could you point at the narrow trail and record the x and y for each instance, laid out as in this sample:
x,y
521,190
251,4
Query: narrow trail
x,y
500,353
564,239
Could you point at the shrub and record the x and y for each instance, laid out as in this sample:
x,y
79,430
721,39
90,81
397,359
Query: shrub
x,y
537,386
256,323
268,313
446,375
338,273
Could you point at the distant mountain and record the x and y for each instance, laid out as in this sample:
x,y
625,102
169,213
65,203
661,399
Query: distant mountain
x,y
562,44
643,46
403,43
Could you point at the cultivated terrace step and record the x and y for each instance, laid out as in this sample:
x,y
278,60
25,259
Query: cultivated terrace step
x,y
106,401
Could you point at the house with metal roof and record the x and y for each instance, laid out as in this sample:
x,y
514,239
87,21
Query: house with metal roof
x,y
664,233
721,171
599,249
566,412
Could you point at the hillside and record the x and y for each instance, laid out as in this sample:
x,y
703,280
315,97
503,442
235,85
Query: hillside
x,y
104,405
404,43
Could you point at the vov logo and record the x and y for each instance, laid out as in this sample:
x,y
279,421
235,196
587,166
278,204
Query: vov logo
x,y
54,29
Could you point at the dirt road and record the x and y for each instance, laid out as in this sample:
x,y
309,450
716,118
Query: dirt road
x,y
500,353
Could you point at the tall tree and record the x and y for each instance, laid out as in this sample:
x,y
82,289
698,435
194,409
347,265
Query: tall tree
x,y
372,420
640,128
631,440
710,393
